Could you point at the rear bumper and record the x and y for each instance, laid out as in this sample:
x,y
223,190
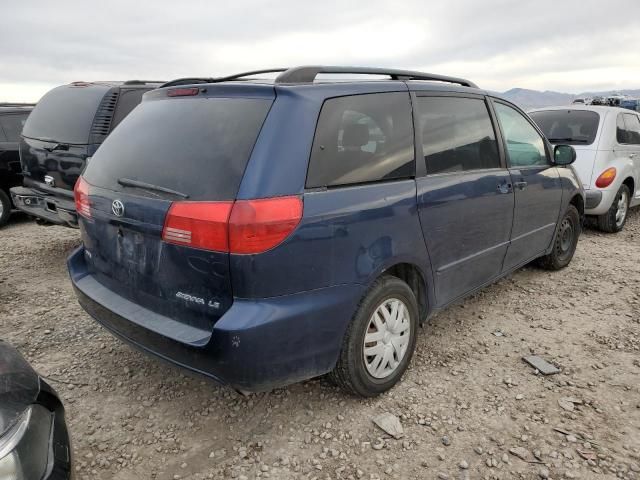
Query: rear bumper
x,y
598,201
53,209
256,345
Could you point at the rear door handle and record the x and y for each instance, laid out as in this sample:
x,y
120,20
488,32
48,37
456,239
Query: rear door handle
x,y
520,185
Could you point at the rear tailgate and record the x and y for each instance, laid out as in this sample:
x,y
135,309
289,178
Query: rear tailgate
x,y
168,150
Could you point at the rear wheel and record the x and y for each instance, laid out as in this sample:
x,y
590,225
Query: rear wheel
x,y
5,208
613,221
564,245
380,340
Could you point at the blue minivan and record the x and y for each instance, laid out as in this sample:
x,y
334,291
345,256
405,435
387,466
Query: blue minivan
x,y
263,232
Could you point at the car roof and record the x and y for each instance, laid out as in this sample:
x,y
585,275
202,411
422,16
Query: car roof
x,y
588,108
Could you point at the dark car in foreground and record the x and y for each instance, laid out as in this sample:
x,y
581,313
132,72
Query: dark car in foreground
x,y
34,441
62,133
12,119
265,232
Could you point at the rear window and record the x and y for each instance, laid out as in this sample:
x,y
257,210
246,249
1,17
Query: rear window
x,y
12,125
363,138
199,147
572,127
65,114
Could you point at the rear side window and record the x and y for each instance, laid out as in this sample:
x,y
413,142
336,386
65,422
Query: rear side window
x,y
199,147
65,114
569,127
628,129
363,138
457,134
12,125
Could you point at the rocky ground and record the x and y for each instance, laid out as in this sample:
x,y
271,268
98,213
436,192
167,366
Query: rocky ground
x,y
469,406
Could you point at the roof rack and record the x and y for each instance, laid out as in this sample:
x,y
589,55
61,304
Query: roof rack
x,y
308,74
143,82
235,76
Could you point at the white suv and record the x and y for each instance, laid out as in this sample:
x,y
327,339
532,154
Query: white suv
x,y
607,142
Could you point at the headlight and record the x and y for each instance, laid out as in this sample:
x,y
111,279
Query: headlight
x,y
24,449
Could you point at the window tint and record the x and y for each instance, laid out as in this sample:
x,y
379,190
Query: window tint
x,y
12,125
363,138
199,147
65,114
525,146
632,129
457,134
569,127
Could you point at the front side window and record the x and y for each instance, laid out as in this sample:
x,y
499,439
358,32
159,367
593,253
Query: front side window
x,y
632,125
457,134
12,125
525,146
362,138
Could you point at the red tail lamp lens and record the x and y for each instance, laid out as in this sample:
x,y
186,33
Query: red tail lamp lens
x,y
606,178
199,225
244,226
256,226
81,197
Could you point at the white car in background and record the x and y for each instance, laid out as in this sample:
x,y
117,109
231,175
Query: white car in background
x,y
607,144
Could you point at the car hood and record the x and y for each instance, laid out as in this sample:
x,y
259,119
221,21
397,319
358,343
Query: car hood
x,y
19,386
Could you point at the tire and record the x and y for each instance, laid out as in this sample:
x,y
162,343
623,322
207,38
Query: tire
x,y
613,221
5,208
565,242
353,372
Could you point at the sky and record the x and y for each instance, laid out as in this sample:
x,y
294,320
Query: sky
x,y
563,45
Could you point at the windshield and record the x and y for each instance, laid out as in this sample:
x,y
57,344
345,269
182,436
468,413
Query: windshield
x,y
572,127
194,147
65,114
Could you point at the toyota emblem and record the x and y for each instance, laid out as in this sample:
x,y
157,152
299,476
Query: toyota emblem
x,y
117,207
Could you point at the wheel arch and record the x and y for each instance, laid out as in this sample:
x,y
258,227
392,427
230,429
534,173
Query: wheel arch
x,y
631,184
578,202
412,276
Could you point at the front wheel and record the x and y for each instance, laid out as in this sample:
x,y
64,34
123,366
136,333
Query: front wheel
x,y
564,245
380,339
5,208
616,216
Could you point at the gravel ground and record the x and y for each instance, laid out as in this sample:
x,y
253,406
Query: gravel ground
x,y
469,406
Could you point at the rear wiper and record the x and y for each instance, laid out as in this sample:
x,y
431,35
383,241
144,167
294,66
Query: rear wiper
x,y
577,140
127,182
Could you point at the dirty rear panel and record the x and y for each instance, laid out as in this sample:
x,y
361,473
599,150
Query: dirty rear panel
x,y
193,149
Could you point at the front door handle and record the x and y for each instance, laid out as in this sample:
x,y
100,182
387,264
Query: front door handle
x,y
504,187
520,185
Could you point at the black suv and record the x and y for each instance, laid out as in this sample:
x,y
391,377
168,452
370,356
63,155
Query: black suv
x,y
59,138
12,118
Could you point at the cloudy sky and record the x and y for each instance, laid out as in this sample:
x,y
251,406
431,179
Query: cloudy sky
x,y
565,45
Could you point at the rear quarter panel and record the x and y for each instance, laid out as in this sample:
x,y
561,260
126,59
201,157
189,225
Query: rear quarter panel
x,y
348,235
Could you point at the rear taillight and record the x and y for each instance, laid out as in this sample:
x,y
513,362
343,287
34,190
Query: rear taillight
x,y
244,226
258,225
199,225
606,178
81,196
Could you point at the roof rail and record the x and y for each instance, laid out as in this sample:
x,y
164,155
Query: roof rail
x,y
16,104
143,82
235,76
187,81
308,74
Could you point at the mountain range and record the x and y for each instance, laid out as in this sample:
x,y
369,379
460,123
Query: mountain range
x,y
527,99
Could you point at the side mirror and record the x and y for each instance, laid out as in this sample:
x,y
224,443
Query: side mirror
x,y
564,155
